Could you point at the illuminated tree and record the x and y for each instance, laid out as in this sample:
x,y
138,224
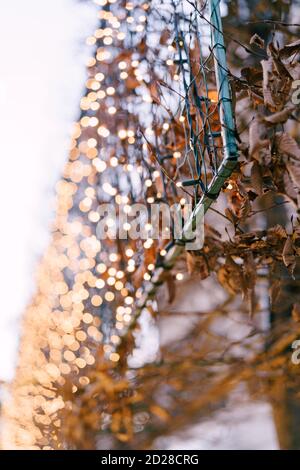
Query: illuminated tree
x,y
151,130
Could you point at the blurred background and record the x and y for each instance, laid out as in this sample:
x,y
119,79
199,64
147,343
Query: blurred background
x,y
43,56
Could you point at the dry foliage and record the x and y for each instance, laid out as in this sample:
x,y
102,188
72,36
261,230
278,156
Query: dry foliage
x,y
76,386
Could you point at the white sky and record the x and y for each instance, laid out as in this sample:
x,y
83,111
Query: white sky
x,y
42,74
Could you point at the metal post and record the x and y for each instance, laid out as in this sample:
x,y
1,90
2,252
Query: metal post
x,y
224,171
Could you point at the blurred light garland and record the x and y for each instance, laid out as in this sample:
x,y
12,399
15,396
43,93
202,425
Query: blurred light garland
x,y
149,131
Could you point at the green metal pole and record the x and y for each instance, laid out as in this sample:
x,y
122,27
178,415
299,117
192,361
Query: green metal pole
x,y
219,52
224,171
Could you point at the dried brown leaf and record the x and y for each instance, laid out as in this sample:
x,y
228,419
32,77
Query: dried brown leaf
x,y
277,231
294,172
160,412
255,141
288,255
249,281
280,117
268,76
230,276
287,145
171,285
165,36
256,39
296,312
257,178
197,264
231,216
154,92
290,49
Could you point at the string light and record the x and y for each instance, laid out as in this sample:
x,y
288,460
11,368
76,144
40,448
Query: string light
x,y
120,154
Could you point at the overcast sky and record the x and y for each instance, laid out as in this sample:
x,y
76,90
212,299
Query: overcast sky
x,y
43,52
